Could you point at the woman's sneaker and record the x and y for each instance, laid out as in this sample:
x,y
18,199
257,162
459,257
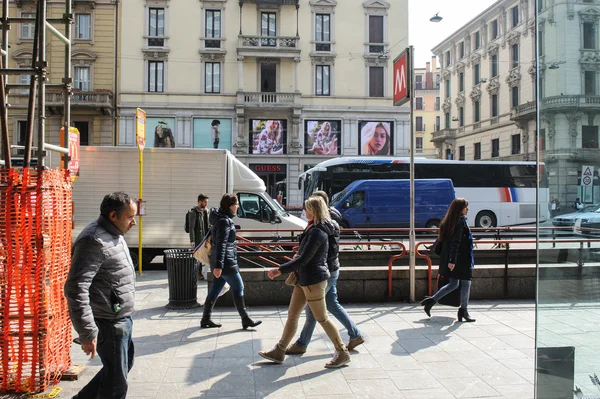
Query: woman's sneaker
x,y
295,349
340,358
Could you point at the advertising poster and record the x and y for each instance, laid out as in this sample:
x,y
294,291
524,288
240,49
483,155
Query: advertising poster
x,y
212,133
268,137
376,138
322,137
160,132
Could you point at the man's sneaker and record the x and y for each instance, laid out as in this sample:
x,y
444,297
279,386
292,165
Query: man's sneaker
x,y
295,349
340,358
353,343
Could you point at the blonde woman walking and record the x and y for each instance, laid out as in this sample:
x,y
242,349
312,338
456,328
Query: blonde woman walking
x,y
313,272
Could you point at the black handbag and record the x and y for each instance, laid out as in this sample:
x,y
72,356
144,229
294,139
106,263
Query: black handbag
x,y
453,298
436,247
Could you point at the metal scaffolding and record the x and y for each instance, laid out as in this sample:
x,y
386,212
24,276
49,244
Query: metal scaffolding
x,y
37,86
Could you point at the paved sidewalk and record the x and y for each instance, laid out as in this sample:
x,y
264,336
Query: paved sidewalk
x,y
407,355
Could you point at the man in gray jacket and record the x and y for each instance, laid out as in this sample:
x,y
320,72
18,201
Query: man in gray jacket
x,y
100,292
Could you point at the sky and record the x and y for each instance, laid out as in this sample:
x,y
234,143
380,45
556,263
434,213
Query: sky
x,y
424,35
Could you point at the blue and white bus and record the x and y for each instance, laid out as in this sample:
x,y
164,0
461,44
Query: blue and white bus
x,y
499,193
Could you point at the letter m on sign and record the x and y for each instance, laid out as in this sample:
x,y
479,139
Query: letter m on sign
x,y
401,78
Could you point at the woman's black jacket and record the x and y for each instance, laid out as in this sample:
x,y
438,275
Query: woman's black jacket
x,y
223,254
459,250
311,262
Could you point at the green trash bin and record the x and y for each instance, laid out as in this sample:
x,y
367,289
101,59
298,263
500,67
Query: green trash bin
x,y
182,274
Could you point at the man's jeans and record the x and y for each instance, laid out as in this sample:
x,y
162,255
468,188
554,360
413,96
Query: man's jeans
x,y
116,351
333,307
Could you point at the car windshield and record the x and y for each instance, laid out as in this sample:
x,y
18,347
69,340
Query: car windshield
x,y
338,196
276,206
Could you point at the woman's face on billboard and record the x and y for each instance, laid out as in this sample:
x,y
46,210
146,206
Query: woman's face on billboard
x,y
379,138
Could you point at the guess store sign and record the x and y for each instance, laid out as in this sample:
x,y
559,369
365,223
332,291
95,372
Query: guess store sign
x,y
265,168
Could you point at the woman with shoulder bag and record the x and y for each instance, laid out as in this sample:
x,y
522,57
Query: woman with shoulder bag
x,y
456,258
313,272
223,263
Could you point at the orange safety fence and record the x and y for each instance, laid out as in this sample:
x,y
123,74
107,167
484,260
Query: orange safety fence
x,y
35,253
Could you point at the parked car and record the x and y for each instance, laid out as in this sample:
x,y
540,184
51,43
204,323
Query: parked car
x,y
568,219
588,223
386,203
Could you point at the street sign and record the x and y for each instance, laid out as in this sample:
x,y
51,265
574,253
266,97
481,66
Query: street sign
x,y
140,128
402,77
74,159
587,176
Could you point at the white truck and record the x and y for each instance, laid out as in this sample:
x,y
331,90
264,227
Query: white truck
x,y
172,180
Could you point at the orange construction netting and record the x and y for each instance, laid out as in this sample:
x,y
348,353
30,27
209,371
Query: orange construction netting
x,y
35,253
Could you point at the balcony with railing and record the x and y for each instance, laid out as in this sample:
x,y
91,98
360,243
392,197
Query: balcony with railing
x,y
99,99
264,99
567,102
523,111
443,135
271,46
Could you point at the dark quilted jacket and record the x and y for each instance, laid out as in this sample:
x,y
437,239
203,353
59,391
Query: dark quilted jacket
x,y
101,275
223,254
311,263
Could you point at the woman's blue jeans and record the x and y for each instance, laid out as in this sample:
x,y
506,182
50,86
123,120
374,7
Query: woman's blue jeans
x,y
465,291
234,280
333,307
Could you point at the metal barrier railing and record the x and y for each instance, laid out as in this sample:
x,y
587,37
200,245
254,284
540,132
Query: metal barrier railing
x,y
506,250
246,243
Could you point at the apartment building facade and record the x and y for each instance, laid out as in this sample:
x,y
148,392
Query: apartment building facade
x,y
283,84
93,71
427,108
488,74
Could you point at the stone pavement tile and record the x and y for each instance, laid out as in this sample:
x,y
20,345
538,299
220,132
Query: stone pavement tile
x,y
284,393
372,329
490,344
375,348
196,349
495,373
413,379
363,361
520,363
231,366
518,341
191,376
351,373
182,390
156,350
385,317
375,389
468,388
418,344
426,357
516,391
325,383
233,337
148,370
452,369
225,386
429,393
408,333
243,349
190,362
469,330
274,379
397,362
528,374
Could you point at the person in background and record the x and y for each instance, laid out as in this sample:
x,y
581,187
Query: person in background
x,y
456,258
100,292
163,136
198,226
224,263
577,205
331,298
215,132
312,271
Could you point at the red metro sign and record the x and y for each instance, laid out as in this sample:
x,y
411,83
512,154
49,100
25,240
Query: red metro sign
x,y
402,78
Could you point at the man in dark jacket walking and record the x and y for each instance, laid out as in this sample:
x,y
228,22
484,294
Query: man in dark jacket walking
x,y
100,292
333,305
198,221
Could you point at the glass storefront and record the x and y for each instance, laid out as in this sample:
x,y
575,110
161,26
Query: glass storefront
x,y
568,116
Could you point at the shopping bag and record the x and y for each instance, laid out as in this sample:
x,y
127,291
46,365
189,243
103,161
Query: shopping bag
x,y
453,298
292,279
202,251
